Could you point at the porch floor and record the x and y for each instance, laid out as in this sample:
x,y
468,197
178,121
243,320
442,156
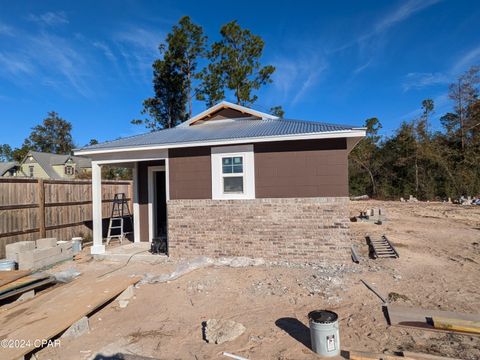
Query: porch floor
x,y
136,252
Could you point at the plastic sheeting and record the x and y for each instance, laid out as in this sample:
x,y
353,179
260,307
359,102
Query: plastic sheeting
x,y
199,263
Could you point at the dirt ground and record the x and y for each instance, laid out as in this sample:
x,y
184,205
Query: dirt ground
x,y
438,268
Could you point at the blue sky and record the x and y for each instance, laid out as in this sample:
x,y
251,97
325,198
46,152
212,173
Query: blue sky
x,y
337,61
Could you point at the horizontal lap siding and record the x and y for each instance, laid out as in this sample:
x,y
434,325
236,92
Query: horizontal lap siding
x,y
289,169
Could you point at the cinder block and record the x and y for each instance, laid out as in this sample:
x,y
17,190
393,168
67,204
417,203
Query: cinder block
x,y
12,250
45,243
65,246
29,259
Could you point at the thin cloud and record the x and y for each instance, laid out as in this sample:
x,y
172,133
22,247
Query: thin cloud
x,y
294,77
12,65
139,48
6,30
467,59
50,18
417,80
402,13
371,42
105,50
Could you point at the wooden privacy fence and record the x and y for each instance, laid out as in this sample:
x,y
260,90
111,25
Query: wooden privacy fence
x,y
36,208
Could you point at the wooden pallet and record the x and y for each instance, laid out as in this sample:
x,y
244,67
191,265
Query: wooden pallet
x,y
382,248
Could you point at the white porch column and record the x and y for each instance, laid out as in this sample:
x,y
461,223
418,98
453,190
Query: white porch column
x,y
98,247
136,208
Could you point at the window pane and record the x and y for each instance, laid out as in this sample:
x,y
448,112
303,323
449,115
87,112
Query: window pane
x,y
227,169
238,168
227,161
237,160
233,184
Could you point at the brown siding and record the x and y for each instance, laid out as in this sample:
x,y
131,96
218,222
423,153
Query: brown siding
x,y
190,173
313,168
143,195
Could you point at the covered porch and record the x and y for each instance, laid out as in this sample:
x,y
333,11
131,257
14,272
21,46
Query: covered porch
x,y
150,195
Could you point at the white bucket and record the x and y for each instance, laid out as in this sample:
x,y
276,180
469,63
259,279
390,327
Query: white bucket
x,y
324,332
7,265
76,245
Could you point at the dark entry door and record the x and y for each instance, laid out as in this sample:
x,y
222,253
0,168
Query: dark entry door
x,y
160,221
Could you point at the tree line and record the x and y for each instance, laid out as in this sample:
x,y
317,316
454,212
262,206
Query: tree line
x,y
420,161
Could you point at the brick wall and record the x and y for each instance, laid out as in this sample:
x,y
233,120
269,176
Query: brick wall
x,y
291,229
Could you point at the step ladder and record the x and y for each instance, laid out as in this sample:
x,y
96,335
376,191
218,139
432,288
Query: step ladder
x,y
382,248
120,212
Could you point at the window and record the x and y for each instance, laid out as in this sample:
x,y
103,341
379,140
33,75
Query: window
x,y
30,170
68,170
233,172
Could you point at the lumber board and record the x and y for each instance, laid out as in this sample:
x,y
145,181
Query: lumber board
x,y
9,276
48,315
456,325
422,356
23,281
23,289
364,355
421,318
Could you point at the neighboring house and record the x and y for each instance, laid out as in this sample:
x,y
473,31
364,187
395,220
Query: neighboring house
x,y
8,169
233,181
54,166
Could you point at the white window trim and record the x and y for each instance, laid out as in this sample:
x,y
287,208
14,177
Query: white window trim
x,y
246,152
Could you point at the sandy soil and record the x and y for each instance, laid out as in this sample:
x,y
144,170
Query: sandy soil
x,y
438,268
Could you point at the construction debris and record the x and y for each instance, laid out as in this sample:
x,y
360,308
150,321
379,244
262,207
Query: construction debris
x,y
25,284
233,356
355,257
423,318
77,329
370,287
124,298
374,215
361,197
456,325
53,312
220,331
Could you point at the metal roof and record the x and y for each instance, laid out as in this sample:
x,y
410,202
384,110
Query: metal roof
x,y
222,130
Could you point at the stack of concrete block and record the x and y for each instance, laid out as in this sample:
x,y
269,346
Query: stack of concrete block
x,y
34,255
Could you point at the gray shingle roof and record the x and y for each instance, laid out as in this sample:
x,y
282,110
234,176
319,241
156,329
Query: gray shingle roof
x,y
219,130
47,160
5,166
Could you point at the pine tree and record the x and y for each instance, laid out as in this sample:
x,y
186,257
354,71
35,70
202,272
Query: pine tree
x,y
235,66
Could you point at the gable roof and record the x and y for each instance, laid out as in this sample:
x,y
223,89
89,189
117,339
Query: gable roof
x,y
5,166
48,160
229,131
255,127
228,105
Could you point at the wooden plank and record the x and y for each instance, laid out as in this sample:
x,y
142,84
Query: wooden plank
x,y
371,288
364,355
456,325
421,356
23,289
50,314
9,276
23,281
41,208
422,318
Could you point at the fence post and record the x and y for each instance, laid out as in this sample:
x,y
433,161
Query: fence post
x,y
41,208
